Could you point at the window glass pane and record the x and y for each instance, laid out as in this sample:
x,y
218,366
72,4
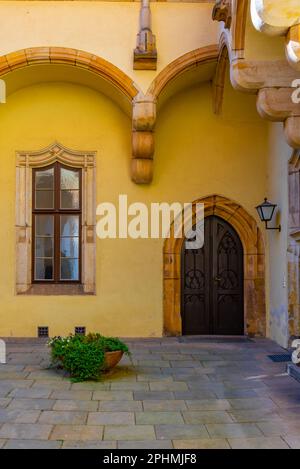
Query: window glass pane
x,y
43,269
44,247
44,199
69,199
69,179
69,225
69,269
44,225
69,247
44,179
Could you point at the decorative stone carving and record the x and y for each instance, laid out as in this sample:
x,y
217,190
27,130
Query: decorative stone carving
x,y
145,53
222,12
25,162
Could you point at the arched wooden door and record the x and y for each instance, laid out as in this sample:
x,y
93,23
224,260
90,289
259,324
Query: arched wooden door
x,y
212,282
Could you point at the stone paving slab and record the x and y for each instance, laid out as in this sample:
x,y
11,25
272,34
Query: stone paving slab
x,y
258,443
292,441
180,432
120,406
185,393
19,416
110,418
201,443
163,405
129,432
25,431
77,432
147,444
55,417
155,418
66,404
233,430
32,444
93,444
31,404
192,417
208,404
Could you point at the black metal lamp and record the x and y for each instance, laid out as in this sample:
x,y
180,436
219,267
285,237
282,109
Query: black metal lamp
x,y
266,211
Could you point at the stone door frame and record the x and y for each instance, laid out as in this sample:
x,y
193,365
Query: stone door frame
x,y
254,268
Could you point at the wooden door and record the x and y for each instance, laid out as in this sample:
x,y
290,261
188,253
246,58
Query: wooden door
x,y
212,282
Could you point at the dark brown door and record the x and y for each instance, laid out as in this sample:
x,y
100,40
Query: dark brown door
x,y
212,282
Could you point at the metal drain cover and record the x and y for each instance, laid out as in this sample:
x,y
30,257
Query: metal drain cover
x,y
281,358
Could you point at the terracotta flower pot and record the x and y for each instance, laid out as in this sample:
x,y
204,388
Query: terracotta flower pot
x,y
112,359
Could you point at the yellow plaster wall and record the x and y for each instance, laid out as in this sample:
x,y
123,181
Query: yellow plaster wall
x,y
197,154
107,29
259,46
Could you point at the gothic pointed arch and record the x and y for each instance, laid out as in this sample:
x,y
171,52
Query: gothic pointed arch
x,y
254,267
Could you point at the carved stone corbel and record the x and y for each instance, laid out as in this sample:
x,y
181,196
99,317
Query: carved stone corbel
x,y
276,104
222,12
143,123
145,53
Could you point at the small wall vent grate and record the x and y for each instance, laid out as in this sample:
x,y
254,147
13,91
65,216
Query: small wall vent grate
x,y
80,330
43,331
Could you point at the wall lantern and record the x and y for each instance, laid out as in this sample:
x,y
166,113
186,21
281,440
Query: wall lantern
x,y
266,211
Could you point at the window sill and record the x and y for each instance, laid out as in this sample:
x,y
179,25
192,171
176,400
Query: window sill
x,y
58,290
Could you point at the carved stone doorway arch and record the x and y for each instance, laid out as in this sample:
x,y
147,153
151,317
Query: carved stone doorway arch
x,y
254,267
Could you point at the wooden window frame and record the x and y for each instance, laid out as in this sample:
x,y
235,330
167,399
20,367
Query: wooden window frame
x,y
56,212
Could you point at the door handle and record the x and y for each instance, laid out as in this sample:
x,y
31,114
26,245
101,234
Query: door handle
x,y
217,279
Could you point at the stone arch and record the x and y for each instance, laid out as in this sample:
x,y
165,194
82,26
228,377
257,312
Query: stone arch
x,y
188,61
72,57
254,267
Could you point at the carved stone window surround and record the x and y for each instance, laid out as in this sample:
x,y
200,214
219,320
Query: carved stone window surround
x,y
25,162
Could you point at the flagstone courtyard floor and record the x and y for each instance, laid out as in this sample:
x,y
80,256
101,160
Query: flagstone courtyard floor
x,y
180,393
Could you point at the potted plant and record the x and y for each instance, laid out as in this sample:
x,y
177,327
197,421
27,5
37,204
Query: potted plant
x,y
86,357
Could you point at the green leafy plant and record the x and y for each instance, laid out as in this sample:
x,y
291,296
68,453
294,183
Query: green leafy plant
x,y
84,356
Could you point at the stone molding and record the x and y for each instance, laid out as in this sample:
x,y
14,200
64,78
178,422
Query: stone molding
x,y
73,57
254,267
182,64
25,162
